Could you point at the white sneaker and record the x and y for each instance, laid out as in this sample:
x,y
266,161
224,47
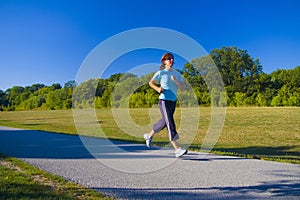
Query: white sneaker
x,y
148,140
180,152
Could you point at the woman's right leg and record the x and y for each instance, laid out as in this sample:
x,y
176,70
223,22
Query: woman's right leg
x,y
160,124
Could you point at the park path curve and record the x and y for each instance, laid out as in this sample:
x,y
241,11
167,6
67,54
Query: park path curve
x,y
195,176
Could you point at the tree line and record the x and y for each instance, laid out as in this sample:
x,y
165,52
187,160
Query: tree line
x,y
227,76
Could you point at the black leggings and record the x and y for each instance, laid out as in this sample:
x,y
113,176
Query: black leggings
x,y
167,109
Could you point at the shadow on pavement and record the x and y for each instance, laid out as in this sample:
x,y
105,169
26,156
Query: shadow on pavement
x,y
39,144
273,190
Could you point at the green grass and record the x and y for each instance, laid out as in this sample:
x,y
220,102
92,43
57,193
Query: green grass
x,y
271,133
21,181
267,133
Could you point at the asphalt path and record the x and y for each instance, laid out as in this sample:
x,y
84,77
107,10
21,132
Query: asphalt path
x,y
131,171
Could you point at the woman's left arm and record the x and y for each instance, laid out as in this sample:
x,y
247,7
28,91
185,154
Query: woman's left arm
x,y
178,83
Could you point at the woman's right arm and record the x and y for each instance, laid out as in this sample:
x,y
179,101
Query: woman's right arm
x,y
155,87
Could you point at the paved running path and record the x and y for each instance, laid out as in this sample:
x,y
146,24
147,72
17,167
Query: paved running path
x,y
139,173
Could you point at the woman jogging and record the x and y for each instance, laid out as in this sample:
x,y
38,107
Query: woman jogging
x,y
170,80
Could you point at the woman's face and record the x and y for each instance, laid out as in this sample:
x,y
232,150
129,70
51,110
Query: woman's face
x,y
169,62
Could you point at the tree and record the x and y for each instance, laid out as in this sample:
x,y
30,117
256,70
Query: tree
x,y
193,76
34,102
240,99
35,87
3,100
261,100
238,70
124,89
70,84
226,76
85,92
55,86
13,96
137,100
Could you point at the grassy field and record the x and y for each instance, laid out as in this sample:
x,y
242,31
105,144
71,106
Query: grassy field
x,y
20,181
271,133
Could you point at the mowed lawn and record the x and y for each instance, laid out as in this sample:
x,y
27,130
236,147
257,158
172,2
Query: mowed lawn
x,y
256,132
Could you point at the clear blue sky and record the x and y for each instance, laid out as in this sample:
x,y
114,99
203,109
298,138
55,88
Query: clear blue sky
x,y
45,41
